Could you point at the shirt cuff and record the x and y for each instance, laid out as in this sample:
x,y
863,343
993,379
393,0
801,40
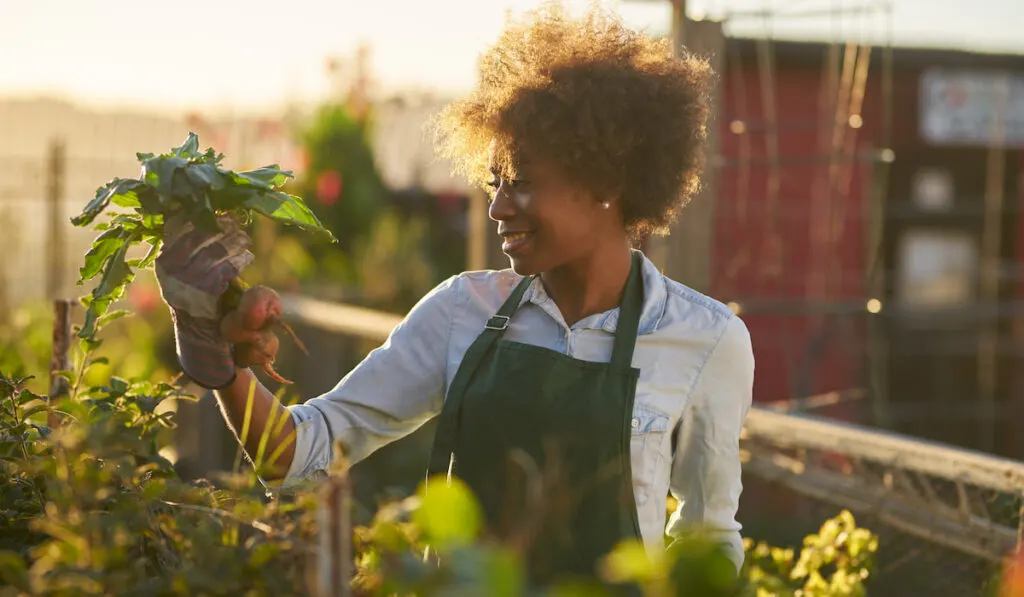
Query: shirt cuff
x,y
303,465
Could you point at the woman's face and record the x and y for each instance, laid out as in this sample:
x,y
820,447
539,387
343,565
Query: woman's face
x,y
546,222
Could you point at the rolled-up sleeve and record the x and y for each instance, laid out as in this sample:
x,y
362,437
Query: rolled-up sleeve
x,y
397,388
706,470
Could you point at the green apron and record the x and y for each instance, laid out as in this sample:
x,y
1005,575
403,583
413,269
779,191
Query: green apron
x,y
517,413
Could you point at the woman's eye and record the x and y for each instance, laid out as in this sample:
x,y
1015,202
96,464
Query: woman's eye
x,y
520,183
494,184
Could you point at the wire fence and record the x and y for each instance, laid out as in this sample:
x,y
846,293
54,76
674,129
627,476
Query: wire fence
x,y
946,517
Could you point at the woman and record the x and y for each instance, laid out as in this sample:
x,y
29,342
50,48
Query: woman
x,y
576,389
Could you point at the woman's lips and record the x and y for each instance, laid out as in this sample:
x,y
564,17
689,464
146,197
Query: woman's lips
x,y
515,241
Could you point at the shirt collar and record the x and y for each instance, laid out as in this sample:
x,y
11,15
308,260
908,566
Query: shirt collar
x,y
655,299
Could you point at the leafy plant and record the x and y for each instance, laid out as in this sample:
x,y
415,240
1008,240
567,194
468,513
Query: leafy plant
x,y
340,174
187,180
94,507
834,562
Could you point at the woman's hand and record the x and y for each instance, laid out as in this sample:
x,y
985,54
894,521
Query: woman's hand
x,y
194,268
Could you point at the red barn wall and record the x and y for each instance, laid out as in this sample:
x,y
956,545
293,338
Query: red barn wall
x,y
792,260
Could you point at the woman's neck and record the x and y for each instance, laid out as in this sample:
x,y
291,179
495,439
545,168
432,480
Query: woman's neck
x,y
591,285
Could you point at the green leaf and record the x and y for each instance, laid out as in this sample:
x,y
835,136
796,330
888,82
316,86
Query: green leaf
x,y
269,176
118,386
206,176
628,562
111,316
152,221
287,209
129,198
449,515
87,344
13,571
503,576
188,149
102,249
122,188
67,374
158,173
27,396
263,554
151,255
116,275
129,221
149,200
154,489
32,410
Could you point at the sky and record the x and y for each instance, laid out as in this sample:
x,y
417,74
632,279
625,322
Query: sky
x,y
259,55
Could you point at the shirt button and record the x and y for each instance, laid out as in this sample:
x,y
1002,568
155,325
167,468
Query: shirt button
x,y
635,423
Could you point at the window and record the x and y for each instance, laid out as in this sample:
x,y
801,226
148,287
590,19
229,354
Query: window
x,y
937,269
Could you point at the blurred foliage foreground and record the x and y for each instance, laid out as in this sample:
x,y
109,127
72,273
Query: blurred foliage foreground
x,y
90,506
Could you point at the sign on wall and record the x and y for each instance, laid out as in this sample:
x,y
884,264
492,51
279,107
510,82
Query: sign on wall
x,y
937,269
962,107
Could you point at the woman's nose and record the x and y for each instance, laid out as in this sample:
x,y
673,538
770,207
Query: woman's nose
x,y
502,206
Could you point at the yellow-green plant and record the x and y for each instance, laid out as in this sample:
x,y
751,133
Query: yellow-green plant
x,y
834,562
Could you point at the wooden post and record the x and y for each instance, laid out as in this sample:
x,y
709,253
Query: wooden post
x,y
991,244
657,248
59,359
875,264
1016,440
476,231
58,224
334,563
874,274
685,254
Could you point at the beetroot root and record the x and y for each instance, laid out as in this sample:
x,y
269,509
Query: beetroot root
x,y
260,353
259,308
262,349
248,327
232,329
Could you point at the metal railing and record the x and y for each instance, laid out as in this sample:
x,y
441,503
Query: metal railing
x,y
940,510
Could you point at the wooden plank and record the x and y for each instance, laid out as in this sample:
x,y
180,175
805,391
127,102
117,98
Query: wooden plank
x,y
932,458
340,318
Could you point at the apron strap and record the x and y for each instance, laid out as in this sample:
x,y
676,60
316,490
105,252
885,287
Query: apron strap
x,y
629,315
448,422
441,455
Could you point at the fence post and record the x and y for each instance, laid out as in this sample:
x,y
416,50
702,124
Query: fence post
x,y
59,359
476,231
685,254
56,247
334,563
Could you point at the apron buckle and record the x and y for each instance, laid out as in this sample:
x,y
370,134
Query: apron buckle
x,y
498,322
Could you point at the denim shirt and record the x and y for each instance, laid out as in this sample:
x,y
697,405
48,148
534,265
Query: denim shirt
x,y
696,379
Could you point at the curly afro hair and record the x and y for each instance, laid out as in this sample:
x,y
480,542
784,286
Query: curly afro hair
x,y
614,109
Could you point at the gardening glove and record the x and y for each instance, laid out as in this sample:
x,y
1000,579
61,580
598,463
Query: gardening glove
x,y
193,269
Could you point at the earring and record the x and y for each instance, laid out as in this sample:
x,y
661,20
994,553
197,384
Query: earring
x,y
606,205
